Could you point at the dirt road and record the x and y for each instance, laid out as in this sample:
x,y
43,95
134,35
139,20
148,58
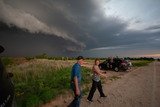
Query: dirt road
x,y
138,88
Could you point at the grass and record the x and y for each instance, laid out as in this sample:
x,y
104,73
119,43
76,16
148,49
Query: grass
x,y
112,78
7,61
37,83
141,63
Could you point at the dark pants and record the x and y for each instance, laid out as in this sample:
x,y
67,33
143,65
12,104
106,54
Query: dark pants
x,y
75,102
95,85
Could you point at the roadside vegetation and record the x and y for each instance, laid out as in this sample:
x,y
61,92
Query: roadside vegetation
x,y
140,63
7,61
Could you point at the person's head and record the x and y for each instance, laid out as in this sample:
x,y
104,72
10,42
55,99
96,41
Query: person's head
x,y
97,61
80,60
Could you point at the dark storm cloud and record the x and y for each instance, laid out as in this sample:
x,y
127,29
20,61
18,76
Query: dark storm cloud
x,y
61,27
25,20
129,44
62,19
19,42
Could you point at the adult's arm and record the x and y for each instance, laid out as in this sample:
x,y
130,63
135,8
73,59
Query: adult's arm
x,y
77,91
98,71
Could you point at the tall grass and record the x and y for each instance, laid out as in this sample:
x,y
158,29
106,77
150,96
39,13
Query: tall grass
x,y
141,63
38,82
7,60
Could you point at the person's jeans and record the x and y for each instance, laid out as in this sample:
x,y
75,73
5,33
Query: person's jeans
x,y
77,99
76,102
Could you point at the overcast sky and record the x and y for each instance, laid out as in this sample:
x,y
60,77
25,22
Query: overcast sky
x,y
92,28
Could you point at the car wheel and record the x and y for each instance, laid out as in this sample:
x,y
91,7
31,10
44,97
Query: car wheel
x,y
125,68
116,69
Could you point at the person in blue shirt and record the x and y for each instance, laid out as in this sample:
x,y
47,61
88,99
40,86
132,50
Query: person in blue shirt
x,y
76,82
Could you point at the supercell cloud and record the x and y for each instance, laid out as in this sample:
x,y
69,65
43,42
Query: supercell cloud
x,y
91,28
27,21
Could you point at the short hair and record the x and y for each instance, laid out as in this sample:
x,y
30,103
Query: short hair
x,y
80,57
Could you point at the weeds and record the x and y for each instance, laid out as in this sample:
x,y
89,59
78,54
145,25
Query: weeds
x,y
141,63
7,61
114,78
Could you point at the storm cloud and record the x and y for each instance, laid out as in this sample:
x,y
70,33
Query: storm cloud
x,y
30,27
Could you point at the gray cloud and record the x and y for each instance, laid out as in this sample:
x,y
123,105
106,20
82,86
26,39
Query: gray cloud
x,y
27,21
66,20
153,27
69,27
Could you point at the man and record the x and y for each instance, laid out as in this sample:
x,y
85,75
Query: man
x,y
6,86
76,81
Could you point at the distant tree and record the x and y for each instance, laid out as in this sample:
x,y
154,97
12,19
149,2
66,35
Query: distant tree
x,y
42,56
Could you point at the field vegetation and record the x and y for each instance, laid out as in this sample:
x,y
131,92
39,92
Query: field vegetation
x,y
139,63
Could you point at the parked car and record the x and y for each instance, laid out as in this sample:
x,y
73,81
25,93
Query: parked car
x,y
115,64
6,86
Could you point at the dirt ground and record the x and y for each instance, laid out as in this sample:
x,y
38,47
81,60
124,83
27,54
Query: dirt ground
x,y
139,87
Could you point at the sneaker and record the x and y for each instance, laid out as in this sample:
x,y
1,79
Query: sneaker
x,y
103,96
90,101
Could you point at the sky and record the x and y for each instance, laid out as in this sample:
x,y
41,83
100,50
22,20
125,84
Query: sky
x,y
92,28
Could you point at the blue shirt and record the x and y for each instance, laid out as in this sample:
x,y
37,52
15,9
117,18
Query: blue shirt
x,y
76,71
